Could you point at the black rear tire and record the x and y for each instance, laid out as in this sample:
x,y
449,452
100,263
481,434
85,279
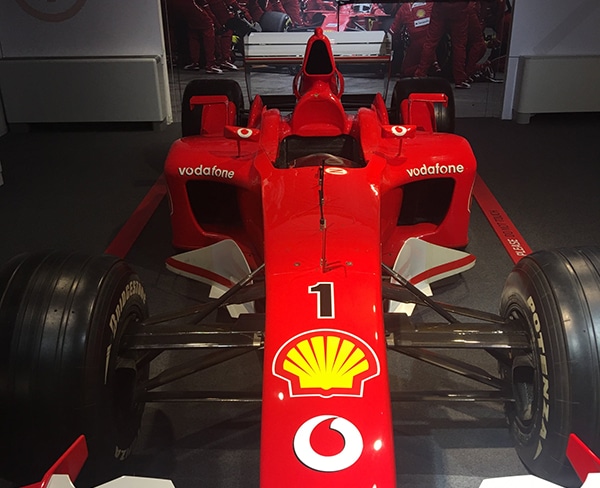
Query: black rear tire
x,y
62,317
192,119
273,21
444,116
556,384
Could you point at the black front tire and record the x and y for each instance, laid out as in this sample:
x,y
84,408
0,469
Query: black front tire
x,y
62,317
444,116
556,384
191,119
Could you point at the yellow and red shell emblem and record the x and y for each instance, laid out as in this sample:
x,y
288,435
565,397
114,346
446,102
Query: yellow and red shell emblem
x,y
326,363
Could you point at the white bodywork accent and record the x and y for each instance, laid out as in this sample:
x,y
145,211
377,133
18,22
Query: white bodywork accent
x,y
137,482
60,481
64,481
422,263
530,481
525,481
224,259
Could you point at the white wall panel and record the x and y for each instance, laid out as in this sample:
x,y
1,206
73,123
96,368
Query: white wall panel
x,y
550,28
97,28
82,90
59,44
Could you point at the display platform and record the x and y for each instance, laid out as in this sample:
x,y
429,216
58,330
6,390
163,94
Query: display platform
x,y
76,190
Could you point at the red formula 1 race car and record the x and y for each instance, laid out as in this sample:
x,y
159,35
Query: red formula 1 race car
x,y
319,230
347,16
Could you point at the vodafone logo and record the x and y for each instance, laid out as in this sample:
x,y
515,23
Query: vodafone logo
x,y
206,171
436,169
52,10
399,130
349,453
244,133
335,171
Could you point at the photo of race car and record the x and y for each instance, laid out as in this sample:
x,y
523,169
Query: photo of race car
x,y
319,231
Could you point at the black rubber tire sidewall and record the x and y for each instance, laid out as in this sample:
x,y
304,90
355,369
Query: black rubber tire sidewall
x,y
444,116
558,294
273,21
191,119
60,373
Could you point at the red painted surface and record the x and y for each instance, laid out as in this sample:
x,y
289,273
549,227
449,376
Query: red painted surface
x,y
507,232
322,197
131,230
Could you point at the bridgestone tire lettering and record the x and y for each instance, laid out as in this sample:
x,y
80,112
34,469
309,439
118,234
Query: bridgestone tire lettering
x,y
77,385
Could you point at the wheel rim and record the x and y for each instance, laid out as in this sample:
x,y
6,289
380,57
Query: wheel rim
x,y
126,375
524,379
523,383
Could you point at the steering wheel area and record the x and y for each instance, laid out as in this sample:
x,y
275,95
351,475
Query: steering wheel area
x,y
325,159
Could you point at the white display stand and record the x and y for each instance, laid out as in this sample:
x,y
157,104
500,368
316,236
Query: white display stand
x,y
83,61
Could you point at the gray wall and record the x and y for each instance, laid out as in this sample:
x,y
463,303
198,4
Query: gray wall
x,y
550,28
71,28
87,30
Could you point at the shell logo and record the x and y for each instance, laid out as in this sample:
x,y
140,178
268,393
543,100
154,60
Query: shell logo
x,y
326,363
421,13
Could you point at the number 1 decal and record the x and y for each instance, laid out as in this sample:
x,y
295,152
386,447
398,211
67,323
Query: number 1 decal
x,y
325,301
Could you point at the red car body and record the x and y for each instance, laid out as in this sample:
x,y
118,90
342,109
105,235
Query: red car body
x,y
354,17
322,197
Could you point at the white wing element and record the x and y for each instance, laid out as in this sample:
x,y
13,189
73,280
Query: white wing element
x,y
64,481
524,481
60,481
530,481
69,464
137,482
220,265
422,263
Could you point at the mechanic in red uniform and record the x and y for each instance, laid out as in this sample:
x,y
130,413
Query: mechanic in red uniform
x,y
452,16
200,31
476,46
490,14
290,7
493,14
415,17
254,9
225,10
497,15
319,5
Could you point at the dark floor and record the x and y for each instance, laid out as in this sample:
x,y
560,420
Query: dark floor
x,y
75,189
